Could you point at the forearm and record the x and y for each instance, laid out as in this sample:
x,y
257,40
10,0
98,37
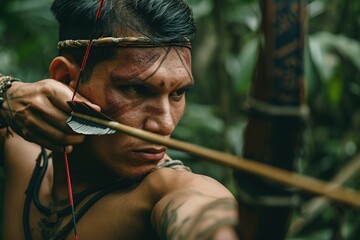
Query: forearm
x,y
198,218
215,221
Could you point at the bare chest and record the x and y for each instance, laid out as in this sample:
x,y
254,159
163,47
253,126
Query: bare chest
x,y
115,216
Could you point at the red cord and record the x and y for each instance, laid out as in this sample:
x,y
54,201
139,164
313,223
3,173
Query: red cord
x,y
70,192
83,64
87,52
98,13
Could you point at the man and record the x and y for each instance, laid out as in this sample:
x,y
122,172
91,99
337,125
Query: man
x,y
124,188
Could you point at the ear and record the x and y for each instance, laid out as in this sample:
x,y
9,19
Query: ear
x,y
64,71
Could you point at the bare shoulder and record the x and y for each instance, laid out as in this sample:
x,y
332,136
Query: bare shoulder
x,y
166,181
190,206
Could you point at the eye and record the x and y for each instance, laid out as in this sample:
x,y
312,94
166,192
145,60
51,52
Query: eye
x,y
178,94
136,90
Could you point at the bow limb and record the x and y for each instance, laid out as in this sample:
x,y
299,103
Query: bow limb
x,y
276,119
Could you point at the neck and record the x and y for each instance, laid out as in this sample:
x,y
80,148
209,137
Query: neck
x,y
85,172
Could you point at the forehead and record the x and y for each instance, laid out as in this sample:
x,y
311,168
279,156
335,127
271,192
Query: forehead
x,y
131,62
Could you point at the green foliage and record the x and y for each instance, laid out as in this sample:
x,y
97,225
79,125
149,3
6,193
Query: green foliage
x,y
28,31
328,52
224,55
332,80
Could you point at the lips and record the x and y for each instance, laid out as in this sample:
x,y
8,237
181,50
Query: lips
x,y
150,154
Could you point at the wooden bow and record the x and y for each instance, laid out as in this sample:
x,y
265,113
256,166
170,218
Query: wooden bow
x,y
275,121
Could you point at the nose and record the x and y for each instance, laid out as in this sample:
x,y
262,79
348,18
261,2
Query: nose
x,y
160,118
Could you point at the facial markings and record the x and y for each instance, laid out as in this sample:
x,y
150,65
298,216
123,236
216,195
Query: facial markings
x,y
139,88
134,61
185,62
168,49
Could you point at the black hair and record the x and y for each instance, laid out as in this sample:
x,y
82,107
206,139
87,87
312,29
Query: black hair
x,y
166,20
163,21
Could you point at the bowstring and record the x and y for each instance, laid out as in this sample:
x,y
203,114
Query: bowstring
x,y
82,68
88,48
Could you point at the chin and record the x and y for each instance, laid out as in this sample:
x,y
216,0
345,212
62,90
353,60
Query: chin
x,y
135,172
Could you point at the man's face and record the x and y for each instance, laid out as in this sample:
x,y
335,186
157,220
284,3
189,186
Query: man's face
x,y
143,88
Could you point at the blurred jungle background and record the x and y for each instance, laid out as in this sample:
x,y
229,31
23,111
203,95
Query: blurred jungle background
x,y
224,56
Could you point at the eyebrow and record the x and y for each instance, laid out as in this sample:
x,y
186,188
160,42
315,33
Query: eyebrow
x,y
187,86
141,82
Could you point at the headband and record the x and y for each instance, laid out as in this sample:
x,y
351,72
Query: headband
x,y
121,42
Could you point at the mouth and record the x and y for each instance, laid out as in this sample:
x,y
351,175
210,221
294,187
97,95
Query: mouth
x,y
151,154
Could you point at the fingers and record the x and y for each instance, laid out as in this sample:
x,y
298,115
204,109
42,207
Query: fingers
x,y
35,129
38,112
49,144
59,94
78,97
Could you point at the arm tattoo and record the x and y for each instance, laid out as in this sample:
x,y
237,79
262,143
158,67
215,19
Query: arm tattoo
x,y
201,224
167,227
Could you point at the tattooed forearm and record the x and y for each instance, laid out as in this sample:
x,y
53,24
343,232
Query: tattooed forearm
x,y
168,228
213,216
182,220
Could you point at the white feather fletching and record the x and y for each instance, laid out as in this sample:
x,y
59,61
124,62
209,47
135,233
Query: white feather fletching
x,y
85,127
88,128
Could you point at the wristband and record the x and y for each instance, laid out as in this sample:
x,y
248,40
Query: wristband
x,y
5,84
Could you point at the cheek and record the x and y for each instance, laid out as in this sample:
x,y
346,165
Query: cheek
x,y
116,106
178,111
114,103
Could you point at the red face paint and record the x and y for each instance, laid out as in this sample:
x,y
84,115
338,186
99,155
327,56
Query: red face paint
x,y
162,69
134,61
